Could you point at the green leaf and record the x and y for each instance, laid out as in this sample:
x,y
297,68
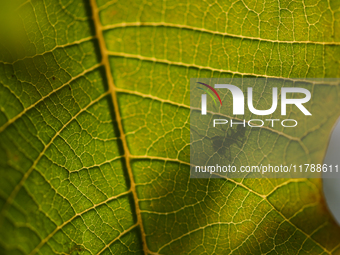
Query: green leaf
x,y
94,127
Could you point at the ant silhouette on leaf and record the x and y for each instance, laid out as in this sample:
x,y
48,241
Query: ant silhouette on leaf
x,y
222,144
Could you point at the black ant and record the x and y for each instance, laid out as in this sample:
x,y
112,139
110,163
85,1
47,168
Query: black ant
x,y
222,144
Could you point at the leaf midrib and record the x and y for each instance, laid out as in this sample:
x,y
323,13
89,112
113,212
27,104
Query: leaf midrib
x,y
112,89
